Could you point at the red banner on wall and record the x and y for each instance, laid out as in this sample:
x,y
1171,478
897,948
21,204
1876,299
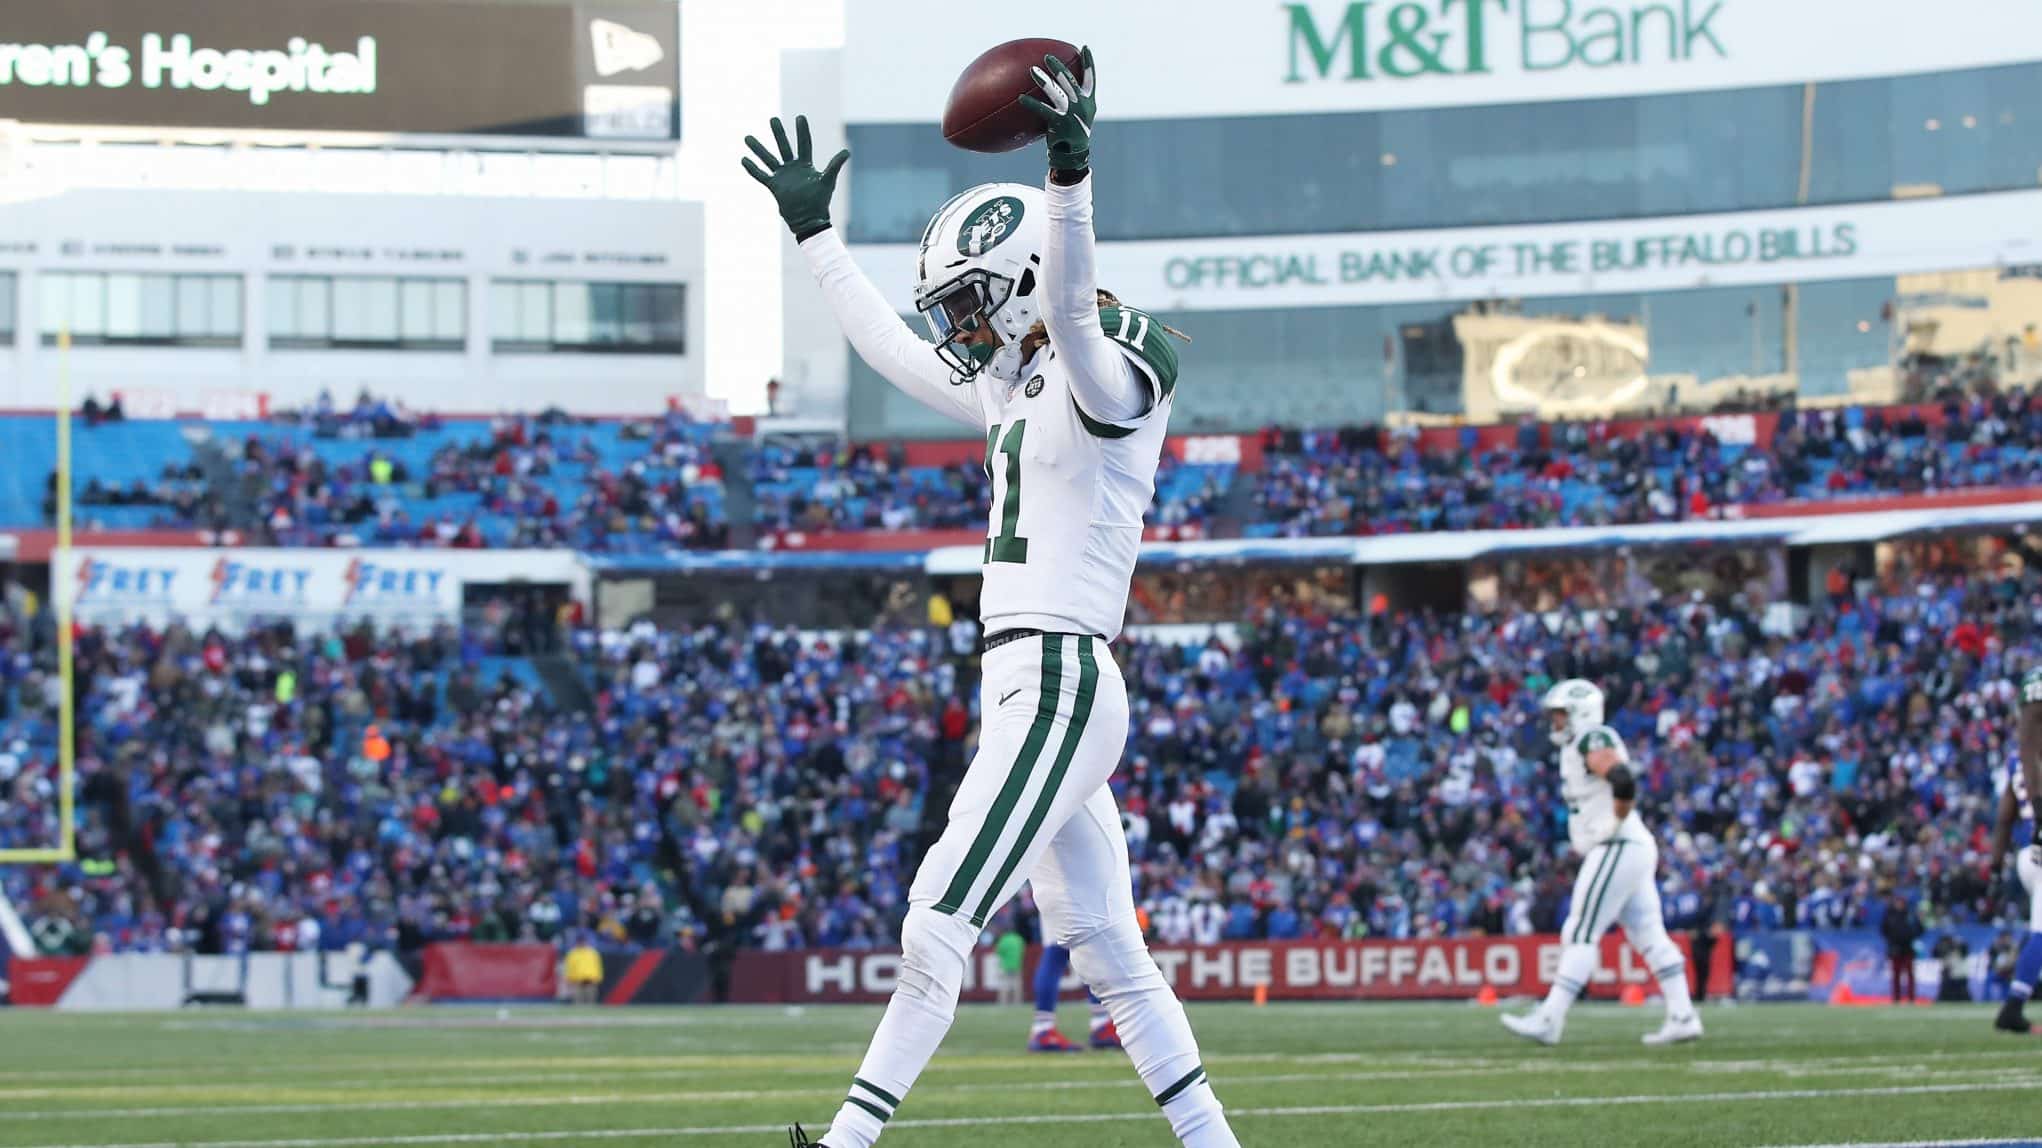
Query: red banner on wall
x,y
1457,968
455,972
899,541
39,982
1881,503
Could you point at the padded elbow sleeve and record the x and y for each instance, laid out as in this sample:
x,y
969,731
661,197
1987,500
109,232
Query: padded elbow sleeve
x,y
1622,785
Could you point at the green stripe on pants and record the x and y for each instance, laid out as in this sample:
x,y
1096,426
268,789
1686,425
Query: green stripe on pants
x,y
1017,779
1081,712
1615,854
1588,896
874,1109
891,1100
1177,1089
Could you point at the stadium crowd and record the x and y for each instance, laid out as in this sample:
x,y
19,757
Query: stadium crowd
x,y
545,480
513,477
835,486
1332,772
1364,480
540,481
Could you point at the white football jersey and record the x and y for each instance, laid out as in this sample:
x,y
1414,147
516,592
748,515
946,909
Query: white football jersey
x,y
1591,806
1069,491
1171,920
1069,486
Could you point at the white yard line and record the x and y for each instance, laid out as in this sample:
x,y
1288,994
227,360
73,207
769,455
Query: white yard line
x,y
1100,1117
1919,1144
1120,1079
2029,1075
572,1100
834,1088
86,1083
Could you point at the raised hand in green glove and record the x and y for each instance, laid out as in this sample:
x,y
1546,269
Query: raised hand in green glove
x,y
802,192
1067,112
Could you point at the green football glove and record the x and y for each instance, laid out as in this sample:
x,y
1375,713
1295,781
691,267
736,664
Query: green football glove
x,y
1067,112
802,192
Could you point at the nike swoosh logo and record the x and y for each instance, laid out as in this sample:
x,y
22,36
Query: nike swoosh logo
x,y
1010,697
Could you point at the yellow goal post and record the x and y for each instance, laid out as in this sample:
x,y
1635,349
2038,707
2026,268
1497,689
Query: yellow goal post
x,y
66,847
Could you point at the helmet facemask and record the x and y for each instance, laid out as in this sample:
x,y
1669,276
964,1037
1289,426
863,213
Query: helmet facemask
x,y
957,309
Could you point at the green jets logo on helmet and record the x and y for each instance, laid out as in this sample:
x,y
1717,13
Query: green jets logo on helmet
x,y
989,224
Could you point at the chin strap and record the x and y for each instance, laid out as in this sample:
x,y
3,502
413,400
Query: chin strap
x,y
1006,362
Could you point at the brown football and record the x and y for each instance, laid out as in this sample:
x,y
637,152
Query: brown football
x,y
984,112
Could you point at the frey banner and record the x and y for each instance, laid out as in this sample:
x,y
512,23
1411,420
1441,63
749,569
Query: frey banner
x,y
1291,970
317,589
606,70
233,589
1616,256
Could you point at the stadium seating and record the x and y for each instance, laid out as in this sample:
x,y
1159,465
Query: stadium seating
x,y
1367,481
513,483
659,484
1190,494
115,455
604,486
829,486
1343,774
1334,773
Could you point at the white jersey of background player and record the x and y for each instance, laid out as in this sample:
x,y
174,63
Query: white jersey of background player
x,y
1592,816
1619,863
2015,829
1074,411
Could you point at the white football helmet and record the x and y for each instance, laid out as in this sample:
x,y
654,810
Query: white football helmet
x,y
1581,701
980,259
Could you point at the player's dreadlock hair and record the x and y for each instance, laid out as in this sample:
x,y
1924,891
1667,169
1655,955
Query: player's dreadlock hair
x,y
1038,335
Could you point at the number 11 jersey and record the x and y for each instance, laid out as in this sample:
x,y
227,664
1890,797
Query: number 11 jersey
x,y
1068,490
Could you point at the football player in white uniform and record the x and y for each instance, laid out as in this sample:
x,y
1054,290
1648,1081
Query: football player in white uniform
x,y
1619,861
1072,392
2015,829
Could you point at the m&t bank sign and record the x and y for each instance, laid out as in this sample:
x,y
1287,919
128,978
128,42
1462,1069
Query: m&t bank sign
x,y
1404,39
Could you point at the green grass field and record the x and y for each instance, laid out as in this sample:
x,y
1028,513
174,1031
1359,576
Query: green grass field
x,y
1403,1075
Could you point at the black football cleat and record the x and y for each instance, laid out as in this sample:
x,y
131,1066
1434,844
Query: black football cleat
x,y
796,1138
2010,1018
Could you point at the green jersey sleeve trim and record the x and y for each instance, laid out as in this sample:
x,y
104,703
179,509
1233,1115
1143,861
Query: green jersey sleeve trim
x,y
1138,336
1099,429
1143,340
1601,737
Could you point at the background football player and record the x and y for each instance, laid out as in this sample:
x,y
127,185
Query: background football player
x,y
2016,827
1072,392
1619,862
1043,1035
